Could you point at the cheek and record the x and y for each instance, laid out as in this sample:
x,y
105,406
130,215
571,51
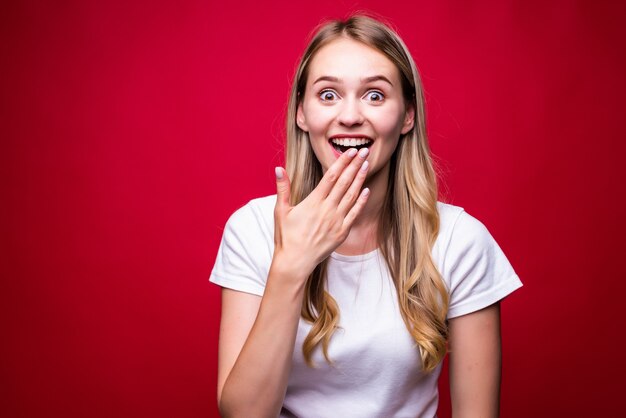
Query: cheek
x,y
318,120
390,122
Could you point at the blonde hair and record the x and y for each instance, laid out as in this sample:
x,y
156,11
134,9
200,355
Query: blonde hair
x,y
410,220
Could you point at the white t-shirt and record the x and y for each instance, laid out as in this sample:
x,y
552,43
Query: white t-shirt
x,y
377,368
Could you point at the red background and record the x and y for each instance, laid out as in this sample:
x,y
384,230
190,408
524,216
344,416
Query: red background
x,y
131,130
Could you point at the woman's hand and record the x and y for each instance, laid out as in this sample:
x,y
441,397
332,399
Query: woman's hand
x,y
304,235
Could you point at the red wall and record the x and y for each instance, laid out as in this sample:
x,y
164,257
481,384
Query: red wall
x,y
131,130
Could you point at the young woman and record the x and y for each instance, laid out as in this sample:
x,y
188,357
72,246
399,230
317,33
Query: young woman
x,y
344,291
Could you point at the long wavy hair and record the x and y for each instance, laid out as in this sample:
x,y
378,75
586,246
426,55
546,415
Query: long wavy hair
x,y
409,219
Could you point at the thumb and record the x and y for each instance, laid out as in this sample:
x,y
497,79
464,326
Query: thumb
x,y
283,192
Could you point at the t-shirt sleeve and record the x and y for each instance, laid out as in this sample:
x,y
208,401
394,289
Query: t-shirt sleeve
x,y
244,254
476,270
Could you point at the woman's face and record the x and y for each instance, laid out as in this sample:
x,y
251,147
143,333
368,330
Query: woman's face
x,y
353,98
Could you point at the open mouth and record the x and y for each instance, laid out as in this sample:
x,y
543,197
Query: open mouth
x,y
342,145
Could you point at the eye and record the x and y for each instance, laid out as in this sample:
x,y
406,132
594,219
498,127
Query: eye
x,y
328,96
374,96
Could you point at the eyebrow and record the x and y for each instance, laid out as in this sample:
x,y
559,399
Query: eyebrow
x,y
366,79
377,78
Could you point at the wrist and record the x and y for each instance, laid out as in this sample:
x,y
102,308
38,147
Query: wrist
x,y
291,268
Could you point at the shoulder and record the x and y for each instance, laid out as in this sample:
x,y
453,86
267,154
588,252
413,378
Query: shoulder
x,y
245,253
251,227
455,224
257,213
472,264
464,243
458,229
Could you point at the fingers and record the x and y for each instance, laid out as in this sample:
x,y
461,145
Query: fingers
x,y
349,197
334,173
283,186
347,187
356,209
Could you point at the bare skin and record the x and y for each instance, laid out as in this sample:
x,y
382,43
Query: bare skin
x,y
475,363
257,335
345,95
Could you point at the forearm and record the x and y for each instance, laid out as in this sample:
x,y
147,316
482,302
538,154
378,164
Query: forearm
x,y
257,382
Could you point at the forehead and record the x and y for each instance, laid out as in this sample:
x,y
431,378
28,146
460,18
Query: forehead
x,y
346,58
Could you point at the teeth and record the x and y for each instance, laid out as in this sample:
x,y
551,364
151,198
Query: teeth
x,y
350,142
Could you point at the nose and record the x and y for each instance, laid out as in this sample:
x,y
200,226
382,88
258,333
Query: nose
x,y
350,113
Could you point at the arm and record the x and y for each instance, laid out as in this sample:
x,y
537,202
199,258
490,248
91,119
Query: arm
x,y
475,363
257,334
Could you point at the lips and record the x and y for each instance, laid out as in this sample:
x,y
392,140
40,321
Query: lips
x,y
342,143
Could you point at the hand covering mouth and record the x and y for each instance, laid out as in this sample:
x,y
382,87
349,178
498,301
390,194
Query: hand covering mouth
x,y
344,144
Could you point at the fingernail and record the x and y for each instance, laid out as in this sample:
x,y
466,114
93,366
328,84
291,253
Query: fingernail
x,y
363,152
366,191
279,173
365,165
352,152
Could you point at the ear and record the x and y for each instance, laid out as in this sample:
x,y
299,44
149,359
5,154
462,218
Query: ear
x,y
409,120
300,120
